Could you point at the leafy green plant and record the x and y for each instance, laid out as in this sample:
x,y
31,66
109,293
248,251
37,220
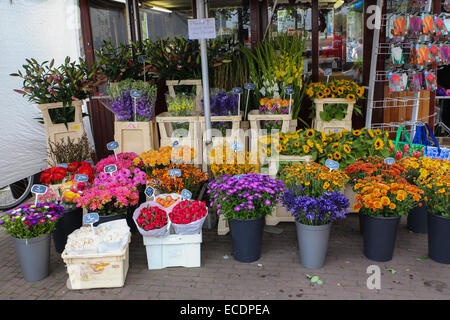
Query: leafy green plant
x,y
332,111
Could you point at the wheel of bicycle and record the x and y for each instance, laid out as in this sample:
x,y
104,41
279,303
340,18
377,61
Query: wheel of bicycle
x,y
15,193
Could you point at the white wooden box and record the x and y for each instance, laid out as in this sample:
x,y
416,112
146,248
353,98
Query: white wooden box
x,y
173,250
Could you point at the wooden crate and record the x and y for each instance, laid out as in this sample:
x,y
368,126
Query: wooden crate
x,y
136,137
168,136
333,125
194,82
255,118
58,131
217,140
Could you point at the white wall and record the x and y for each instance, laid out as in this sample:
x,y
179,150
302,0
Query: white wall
x,y
41,29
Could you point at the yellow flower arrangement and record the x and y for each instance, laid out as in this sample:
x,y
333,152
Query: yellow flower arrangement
x,y
223,160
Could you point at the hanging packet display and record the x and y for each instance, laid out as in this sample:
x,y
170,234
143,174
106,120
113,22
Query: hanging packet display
x,y
398,81
419,4
430,80
397,26
415,26
417,84
397,58
439,24
434,53
428,24
446,21
422,54
445,53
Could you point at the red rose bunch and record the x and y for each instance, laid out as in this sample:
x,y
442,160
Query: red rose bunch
x,y
152,218
188,211
53,175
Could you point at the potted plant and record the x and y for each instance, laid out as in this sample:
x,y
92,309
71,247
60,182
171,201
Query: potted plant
x,y
112,196
30,226
435,181
313,199
134,115
182,105
371,166
59,92
245,201
68,150
417,217
334,104
70,191
383,203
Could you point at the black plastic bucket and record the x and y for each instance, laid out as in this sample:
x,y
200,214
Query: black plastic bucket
x,y
70,221
379,235
246,236
417,220
439,238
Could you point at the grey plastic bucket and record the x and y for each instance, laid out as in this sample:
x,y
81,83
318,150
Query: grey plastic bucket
x,y
313,244
34,257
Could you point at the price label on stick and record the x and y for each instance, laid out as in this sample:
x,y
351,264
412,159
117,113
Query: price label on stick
x,y
237,90
236,146
238,176
149,192
62,165
175,144
288,90
113,145
175,173
136,94
389,161
186,194
38,189
91,218
81,177
110,169
142,59
332,165
249,86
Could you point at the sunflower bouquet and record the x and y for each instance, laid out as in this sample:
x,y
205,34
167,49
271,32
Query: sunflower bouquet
x,y
223,160
336,89
344,146
376,196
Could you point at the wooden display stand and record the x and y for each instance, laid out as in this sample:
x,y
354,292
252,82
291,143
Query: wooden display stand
x,y
274,162
198,91
333,125
168,136
58,131
137,137
255,118
219,140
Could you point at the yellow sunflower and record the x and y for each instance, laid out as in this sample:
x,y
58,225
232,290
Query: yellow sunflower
x,y
330,156
379,144
310,133
357,133
310,143
360,91
370,132
347,149
351,97
337,156
378,132
306,148
320,95
296,144
391,145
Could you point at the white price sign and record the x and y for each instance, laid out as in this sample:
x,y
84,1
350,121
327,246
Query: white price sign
x,y
202,28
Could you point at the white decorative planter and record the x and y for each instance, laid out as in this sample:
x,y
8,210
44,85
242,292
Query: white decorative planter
x,y
333,125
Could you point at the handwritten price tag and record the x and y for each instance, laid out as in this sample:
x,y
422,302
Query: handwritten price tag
x,y
186,194
175,144
389,161
237,90
249,86
135,94
332,165
62,165
112,145
175,173
238,176
81,177
236,146
39,189
110,169
288,90
91,218
149,192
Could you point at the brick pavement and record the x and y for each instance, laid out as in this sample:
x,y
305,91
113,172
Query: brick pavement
x,y
278,275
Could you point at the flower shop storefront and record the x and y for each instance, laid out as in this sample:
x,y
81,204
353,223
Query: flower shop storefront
x,y
275,139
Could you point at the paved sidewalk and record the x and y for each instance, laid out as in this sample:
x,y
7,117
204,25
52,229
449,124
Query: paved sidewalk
x,y
277,275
